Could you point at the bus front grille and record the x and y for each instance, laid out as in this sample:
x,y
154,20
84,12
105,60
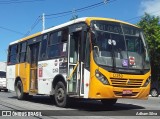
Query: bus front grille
x,y
127,83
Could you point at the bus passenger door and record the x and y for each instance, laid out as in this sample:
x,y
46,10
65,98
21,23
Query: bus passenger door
x,y
33,51
74,63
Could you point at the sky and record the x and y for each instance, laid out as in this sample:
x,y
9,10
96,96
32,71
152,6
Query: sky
x,y
18,17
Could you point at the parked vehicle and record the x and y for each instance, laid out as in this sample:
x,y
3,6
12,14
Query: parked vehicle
x,y
155,88
3,82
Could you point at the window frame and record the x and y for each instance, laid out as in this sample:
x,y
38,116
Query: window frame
x,y
10,54
22,52
60,44
41,47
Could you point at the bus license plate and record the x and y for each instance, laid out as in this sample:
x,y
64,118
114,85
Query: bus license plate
x,y
127,92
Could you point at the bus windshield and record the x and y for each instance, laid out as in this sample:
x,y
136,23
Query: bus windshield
x,y
119,45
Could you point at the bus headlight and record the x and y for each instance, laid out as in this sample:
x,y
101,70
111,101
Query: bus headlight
x,y
101,77
147,82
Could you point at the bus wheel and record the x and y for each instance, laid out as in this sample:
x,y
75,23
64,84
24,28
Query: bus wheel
x,y
19,91
154,93
108,102
61,98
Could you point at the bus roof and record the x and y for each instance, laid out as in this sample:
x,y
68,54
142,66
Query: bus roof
x,y
84,19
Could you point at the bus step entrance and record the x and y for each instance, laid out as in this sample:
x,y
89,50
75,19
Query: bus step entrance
x,y
33,92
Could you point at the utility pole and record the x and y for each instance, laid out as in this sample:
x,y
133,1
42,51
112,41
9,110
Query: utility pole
x,y
43,22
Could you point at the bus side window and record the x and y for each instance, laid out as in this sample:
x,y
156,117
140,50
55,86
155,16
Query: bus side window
x,y
13,53
57,44
22,53
55,37
64,35
43,48
53,42
63,45
9,52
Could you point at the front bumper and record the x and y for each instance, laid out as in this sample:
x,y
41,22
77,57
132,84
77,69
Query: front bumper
x,y
99,91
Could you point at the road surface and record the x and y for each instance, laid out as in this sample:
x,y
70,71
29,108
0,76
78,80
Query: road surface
x,y
43,105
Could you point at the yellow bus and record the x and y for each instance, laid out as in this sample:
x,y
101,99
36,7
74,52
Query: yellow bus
x,y
92,58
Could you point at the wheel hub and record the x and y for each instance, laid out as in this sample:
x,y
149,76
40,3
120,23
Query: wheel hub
x,y
60,94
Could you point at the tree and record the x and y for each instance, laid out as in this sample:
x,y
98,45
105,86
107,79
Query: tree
x,y
151,27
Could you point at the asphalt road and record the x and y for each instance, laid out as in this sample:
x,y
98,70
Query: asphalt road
x,y
123,109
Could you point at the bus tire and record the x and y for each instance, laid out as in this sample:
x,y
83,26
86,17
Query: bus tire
x,y
108,102
154,93
19,91
61,98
